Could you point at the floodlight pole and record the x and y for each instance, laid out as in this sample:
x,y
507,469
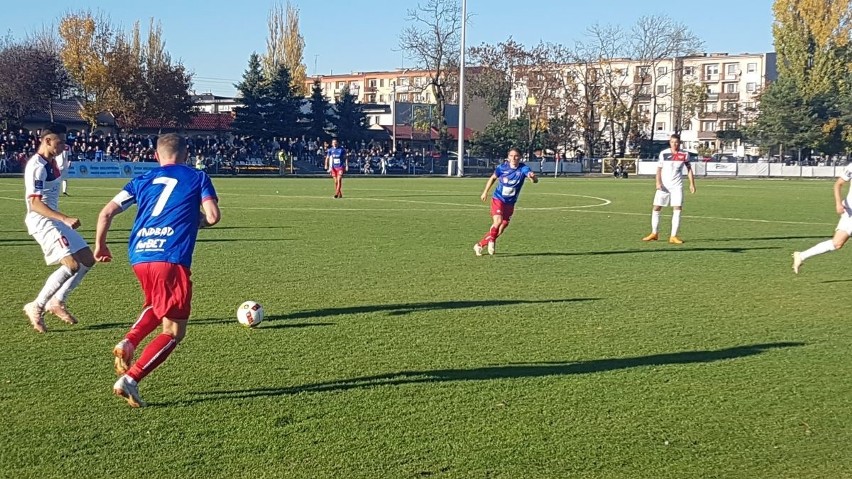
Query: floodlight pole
x,y
461,93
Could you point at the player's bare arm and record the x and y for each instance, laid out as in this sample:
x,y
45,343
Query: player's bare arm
x,y
838,196
488,185
691,178
212,214
102,252
659,178
39,207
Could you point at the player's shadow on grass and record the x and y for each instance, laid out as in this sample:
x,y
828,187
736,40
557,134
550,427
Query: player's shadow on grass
x,y
509,371
673,249
401,309
769,238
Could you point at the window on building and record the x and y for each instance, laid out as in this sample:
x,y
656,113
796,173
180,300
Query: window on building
x,y
519,95
662,107
729,125
372,82
751,87
708,126
662,89
711,71
339,85
688,71
711,107
381,98
661,126
402,81
731,70
730,87
517,111
662,71
643,71
381,82
751,68
731,106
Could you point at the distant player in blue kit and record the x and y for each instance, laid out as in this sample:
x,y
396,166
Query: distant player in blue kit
x,y
336,164
162,241
510,177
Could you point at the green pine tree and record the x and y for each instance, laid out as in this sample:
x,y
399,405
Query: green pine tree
x,y
351,122
249,118
319,119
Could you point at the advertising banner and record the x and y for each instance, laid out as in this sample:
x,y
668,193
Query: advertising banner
x,y
109,169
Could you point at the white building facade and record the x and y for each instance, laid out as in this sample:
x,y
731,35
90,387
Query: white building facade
x,y
699,96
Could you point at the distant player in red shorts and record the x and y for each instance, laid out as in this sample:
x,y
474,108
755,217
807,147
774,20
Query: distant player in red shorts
x,y
336,164
509,177
162,241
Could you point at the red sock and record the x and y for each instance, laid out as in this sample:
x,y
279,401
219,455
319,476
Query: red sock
x,y
491,236
152,356
145,324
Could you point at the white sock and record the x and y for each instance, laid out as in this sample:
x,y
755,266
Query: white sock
x,y
675,222
53,283
820,248
72,283
655,221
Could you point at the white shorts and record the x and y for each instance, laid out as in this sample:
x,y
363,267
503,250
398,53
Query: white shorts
x,y
673,197
845,223
58,240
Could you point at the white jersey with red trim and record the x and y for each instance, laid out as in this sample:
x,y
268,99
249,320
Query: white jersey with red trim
x,y
672,164
42,179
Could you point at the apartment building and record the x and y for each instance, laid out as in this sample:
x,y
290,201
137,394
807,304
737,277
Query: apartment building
x,y
379,87
697,95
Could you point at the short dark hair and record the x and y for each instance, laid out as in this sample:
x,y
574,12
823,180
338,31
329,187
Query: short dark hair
x,y
675,136
54,129
171,144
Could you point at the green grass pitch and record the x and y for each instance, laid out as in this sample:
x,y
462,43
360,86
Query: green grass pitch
x,y
390,350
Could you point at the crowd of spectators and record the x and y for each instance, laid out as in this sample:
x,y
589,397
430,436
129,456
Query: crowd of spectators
x,y
216,152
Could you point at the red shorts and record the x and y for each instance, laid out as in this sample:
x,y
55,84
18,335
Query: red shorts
x,y
335,172
503,209
167,288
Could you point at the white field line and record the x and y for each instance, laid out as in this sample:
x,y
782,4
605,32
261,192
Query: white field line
x,y
460,207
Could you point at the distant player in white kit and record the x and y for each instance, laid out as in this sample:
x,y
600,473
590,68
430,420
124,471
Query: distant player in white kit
x,y
53,230
670,188
844,226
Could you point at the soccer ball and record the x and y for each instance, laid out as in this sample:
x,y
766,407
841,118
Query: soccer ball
x,y
250,314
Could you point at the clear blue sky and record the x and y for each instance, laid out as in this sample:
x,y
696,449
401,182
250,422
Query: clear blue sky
x,y
214,38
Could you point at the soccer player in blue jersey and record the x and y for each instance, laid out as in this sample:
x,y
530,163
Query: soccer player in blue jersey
x,y
510,177
336,164
162,241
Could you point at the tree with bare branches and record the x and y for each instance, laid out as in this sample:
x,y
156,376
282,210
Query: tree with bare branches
x,y
432,41
285,46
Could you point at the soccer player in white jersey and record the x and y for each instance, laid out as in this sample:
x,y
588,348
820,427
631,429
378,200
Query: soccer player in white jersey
x,y
670,188
844,226
53,230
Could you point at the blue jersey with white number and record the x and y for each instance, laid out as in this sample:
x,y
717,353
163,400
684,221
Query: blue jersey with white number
x,y
509,181
336,155
169,204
